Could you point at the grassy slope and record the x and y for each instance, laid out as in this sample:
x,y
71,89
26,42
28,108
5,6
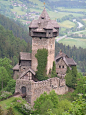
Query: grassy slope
x,y
73,41
7,103
67,24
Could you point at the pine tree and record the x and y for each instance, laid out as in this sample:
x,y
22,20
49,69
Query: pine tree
x,y
53,73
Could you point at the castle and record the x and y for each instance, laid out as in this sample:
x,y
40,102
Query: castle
x,y
43,32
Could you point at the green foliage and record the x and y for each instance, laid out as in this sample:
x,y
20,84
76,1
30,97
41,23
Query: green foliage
x,y
10,111
78,107
5,94
4,77
11,86
43,100
42,62
10,46
6,63
71,77
1,111
81,87
53,73
22,106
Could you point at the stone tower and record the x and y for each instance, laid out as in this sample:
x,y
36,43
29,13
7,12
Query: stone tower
x,y
43,32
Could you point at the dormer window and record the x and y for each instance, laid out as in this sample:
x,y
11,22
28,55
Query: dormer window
x,y
42,17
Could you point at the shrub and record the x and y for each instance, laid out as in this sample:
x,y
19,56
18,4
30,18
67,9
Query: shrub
x,y
22,106
5,95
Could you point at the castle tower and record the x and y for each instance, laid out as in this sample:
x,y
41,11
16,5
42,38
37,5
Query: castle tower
x,y
43,32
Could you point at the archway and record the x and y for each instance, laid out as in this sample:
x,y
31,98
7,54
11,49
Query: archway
x,y
23,89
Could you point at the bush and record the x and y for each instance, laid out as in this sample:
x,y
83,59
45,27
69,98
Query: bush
x,y
11,86
45,102
22,106
5,95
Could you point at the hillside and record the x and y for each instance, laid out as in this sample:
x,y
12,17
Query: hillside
x,y
10,46
62,11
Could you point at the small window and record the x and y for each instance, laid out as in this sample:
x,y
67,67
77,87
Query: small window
x,y
40,38
49,32
63,66
42,17
59,66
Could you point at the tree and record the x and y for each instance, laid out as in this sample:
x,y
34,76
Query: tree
x,y
44,100
53,73
11,86
6,63
4,77
71,77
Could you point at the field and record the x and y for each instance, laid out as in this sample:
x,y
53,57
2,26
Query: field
x,y
73,41
6,104
71,10
67,24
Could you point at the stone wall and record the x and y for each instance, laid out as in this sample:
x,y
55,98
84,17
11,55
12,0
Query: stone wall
x,y
61,67
35,89
40,43
15,74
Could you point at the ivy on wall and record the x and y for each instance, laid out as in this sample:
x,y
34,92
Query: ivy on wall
x,y
41,56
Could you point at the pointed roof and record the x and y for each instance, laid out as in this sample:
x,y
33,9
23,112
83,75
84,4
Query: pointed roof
x,y
67,60
44,22
44,15
16,67
25,72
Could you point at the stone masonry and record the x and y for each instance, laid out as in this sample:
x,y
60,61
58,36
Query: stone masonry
x,y
49,44
35,89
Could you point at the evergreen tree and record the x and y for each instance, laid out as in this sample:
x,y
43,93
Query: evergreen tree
x,y
53,73
71,77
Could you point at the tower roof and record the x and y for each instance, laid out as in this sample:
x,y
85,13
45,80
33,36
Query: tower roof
x,y
44,15
43,23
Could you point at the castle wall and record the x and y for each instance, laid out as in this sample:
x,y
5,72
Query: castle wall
x,y
49,44
35,89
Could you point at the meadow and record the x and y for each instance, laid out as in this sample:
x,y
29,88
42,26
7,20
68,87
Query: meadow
x,y
74,41
7,103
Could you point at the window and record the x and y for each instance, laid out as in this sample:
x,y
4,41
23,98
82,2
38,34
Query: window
x,y
42,17
49,32
63,66
59,66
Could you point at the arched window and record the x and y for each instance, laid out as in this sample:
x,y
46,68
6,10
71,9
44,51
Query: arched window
x,y
23,90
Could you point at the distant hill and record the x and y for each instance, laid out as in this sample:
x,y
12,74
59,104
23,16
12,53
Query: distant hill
x,y
10,46
17,28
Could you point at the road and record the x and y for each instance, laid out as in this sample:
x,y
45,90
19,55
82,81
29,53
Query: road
x,y
61,37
